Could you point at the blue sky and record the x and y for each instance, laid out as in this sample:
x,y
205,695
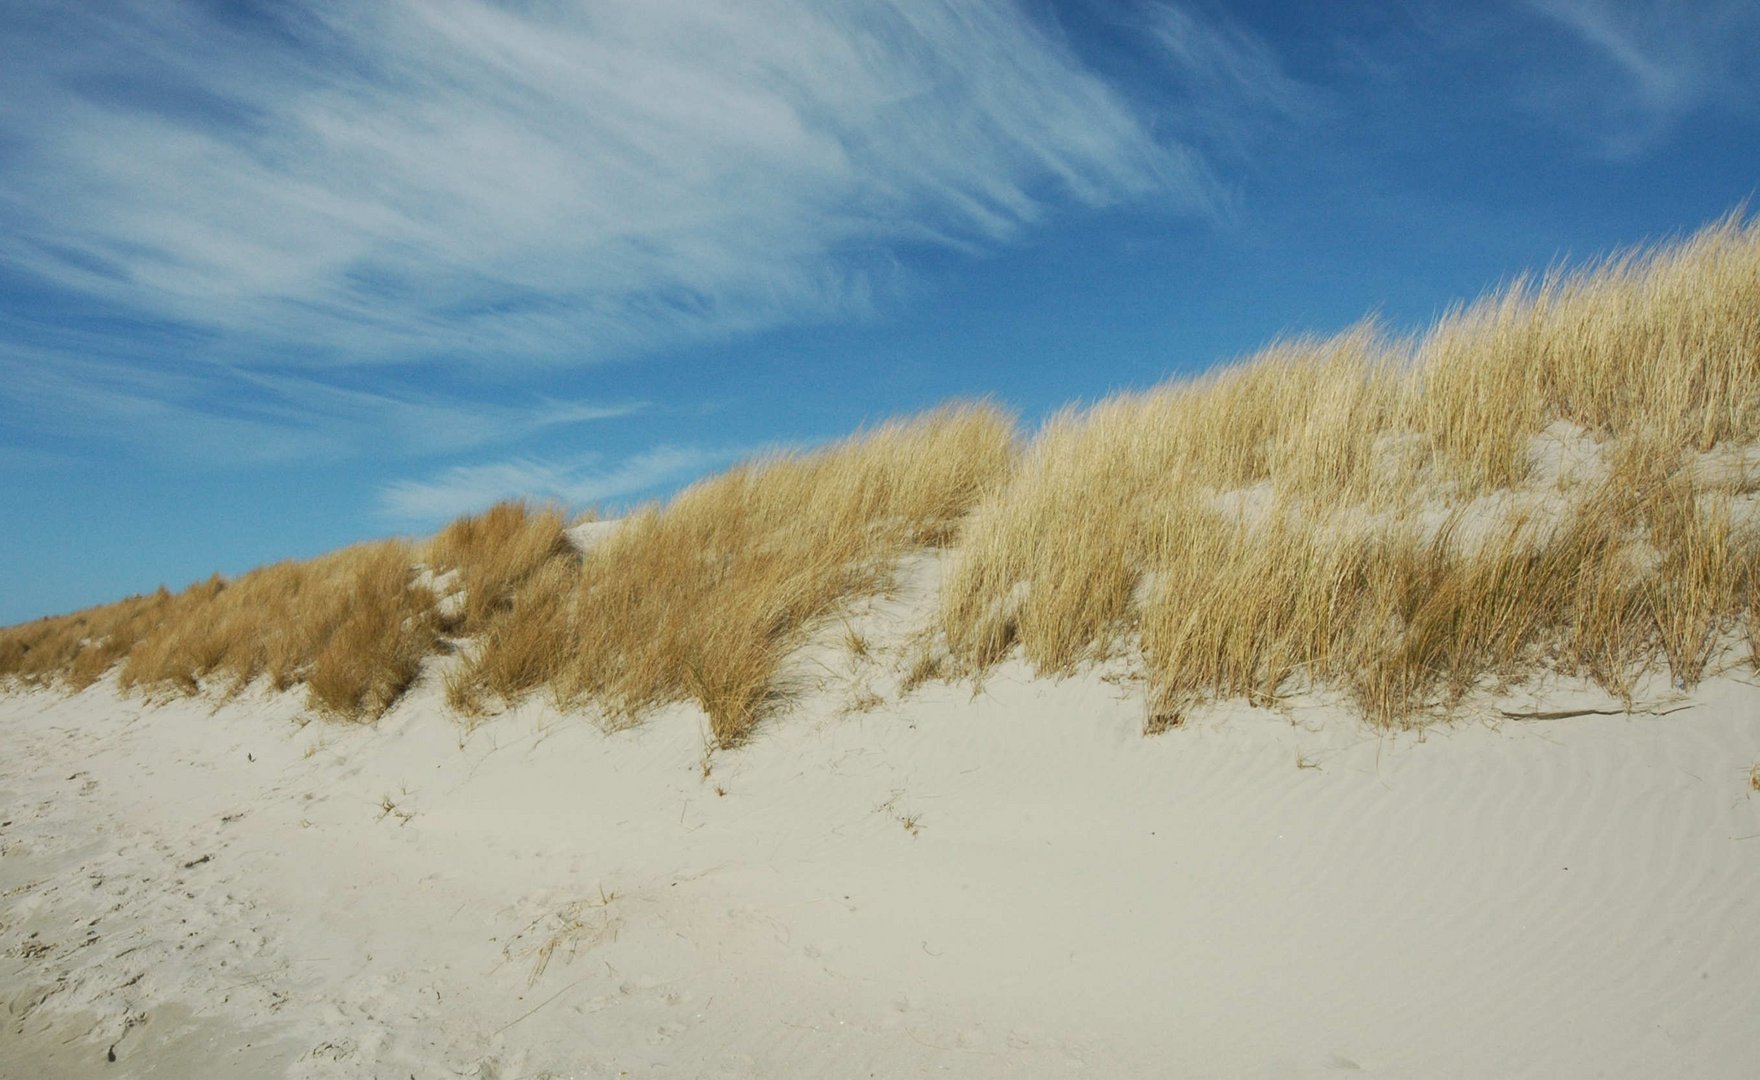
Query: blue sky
x,y
275,277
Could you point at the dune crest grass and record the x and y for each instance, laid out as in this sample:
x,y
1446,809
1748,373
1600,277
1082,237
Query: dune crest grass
x,y
1523,486
350,625
493,553
700,599
76,650
1562,476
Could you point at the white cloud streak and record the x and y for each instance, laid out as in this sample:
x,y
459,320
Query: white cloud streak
x,y
536,183
577,483
1231,74
249,418
1667,60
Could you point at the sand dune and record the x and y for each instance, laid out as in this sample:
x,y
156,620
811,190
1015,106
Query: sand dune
x,y
835,764
1012,882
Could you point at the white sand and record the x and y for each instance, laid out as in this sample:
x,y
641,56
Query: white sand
x,y
218,892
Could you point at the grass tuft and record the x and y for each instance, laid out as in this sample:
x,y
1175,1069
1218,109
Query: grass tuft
x,y
494,553
701,599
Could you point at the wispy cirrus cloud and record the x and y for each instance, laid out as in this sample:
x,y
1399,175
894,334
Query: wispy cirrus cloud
x,y
258,417
1643,66
547,183
214,213
578,482
1231,75
1613,78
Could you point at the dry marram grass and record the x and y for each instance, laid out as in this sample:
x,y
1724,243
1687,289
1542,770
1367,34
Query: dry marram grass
x,y
516,569
494,553
76,650
350,625
1369,513
700,599
1538,481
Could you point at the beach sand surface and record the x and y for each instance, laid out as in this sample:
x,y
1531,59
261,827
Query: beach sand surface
x,y
999,880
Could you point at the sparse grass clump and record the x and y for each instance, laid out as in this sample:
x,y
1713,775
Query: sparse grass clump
x,y
377,637
521,649
494,553
76,650
1055,560
516,572
351,625
700,599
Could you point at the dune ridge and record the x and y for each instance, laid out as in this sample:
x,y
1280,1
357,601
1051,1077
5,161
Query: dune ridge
x,y
1560,477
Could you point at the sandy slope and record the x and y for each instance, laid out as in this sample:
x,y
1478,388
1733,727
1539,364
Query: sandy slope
x,y
218,891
